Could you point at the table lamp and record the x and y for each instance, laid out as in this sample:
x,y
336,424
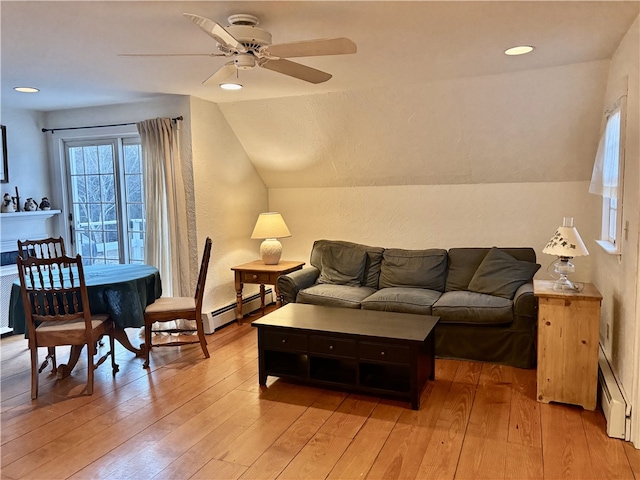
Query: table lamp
x,y
566,244
270,226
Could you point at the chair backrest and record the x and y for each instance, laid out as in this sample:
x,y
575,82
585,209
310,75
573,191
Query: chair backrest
x,y
202,276
53,290
46,248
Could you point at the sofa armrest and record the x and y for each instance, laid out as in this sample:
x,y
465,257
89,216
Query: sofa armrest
x,y
524,302
290,284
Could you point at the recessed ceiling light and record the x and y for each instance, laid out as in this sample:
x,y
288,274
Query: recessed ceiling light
x,y
230,86
26,89
519,50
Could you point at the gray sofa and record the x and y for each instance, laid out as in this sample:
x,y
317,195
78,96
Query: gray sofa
x,y
483,296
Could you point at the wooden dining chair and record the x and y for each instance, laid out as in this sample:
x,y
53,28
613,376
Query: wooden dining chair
x,y
45,248
54,294
165,309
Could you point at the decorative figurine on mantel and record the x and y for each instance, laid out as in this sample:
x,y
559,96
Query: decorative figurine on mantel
x,y
30,205
8,206
44,204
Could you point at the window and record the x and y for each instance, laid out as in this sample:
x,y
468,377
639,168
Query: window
x,y
607,178
106,191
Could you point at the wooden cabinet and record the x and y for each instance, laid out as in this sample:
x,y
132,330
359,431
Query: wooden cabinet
x,y
568,336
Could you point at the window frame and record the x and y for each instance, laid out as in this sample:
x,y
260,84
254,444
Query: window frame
x,y
613,244
59,139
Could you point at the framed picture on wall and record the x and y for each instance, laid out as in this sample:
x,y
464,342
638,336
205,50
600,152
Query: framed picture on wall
x,y
4,169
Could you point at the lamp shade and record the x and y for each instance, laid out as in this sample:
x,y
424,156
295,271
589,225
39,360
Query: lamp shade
x,y
566,242
270,225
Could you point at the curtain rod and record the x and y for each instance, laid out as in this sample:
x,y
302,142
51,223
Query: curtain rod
x,y
45,130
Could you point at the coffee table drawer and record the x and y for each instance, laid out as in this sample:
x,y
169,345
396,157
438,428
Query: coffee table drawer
x,y
332,346
383,352
255,277
284,340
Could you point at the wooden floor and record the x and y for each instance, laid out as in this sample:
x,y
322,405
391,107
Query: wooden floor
x,y
204,419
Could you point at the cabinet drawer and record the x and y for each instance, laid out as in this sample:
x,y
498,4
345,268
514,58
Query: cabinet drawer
x,y
382,352
284,340
332,346
257,277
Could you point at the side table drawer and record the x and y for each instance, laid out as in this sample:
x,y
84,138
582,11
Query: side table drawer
x,y
332,346
284,340
383,352
255,277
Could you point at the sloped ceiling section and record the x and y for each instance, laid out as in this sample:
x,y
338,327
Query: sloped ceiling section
x,y
534,126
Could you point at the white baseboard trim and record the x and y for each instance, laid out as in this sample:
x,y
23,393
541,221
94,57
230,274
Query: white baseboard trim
x,y
227,314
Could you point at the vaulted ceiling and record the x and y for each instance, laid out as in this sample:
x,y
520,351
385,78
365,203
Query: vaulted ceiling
x,y
70,50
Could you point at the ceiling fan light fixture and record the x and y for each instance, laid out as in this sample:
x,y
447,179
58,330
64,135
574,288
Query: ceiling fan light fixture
x,y
230,86
519,50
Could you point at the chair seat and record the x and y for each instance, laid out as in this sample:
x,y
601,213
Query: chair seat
x,y
172,304
72,332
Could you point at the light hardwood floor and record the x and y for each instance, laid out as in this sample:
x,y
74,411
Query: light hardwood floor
x,y
188,417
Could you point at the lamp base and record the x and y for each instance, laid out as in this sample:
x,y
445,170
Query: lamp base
x,y
563,267
564,284
271,251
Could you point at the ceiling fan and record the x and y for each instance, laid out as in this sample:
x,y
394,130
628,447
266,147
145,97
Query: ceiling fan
x,y
247,46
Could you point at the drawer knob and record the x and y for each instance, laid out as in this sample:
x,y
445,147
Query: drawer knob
x,y
284,340
330,347
382,353
254,276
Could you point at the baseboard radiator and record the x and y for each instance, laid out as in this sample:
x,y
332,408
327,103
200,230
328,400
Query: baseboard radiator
x,y
227,314
616,408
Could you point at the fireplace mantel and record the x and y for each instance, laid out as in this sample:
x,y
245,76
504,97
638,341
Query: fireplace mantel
x,y
23,225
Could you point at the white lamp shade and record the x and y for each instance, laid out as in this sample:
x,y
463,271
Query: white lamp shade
x,y
566,242
270,225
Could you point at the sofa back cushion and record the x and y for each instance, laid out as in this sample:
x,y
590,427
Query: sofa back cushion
x,y
414,268
372,264
463,263
342,266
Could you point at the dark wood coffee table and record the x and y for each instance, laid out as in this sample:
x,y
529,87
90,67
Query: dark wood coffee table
x,y
381,353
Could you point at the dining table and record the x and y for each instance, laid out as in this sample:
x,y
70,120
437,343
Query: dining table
x,y
121,290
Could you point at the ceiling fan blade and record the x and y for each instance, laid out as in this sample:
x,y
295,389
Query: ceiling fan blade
x,y
222,74
217,32
295,70
171,55
311,48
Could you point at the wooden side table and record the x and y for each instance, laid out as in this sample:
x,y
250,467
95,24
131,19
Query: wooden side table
x,y
257,272
568,336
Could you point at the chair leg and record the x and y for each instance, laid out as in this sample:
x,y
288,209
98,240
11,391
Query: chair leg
x,y
34,371
203,340
147,343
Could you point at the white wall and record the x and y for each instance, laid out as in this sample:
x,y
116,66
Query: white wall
x,y
435,216
27,154
617,276
229,195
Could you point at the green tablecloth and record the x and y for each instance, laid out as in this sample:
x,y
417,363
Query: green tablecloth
x,y
122,291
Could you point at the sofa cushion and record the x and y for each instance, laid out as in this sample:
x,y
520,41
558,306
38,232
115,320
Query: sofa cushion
x,y
463,263
414,268
372,263
501,275
402,300
334,295
342,266
473,308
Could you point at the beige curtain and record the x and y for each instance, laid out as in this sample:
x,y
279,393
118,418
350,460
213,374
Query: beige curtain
x,y
166,245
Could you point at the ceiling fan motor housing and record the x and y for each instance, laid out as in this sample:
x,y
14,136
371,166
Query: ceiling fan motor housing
x,y
250,36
